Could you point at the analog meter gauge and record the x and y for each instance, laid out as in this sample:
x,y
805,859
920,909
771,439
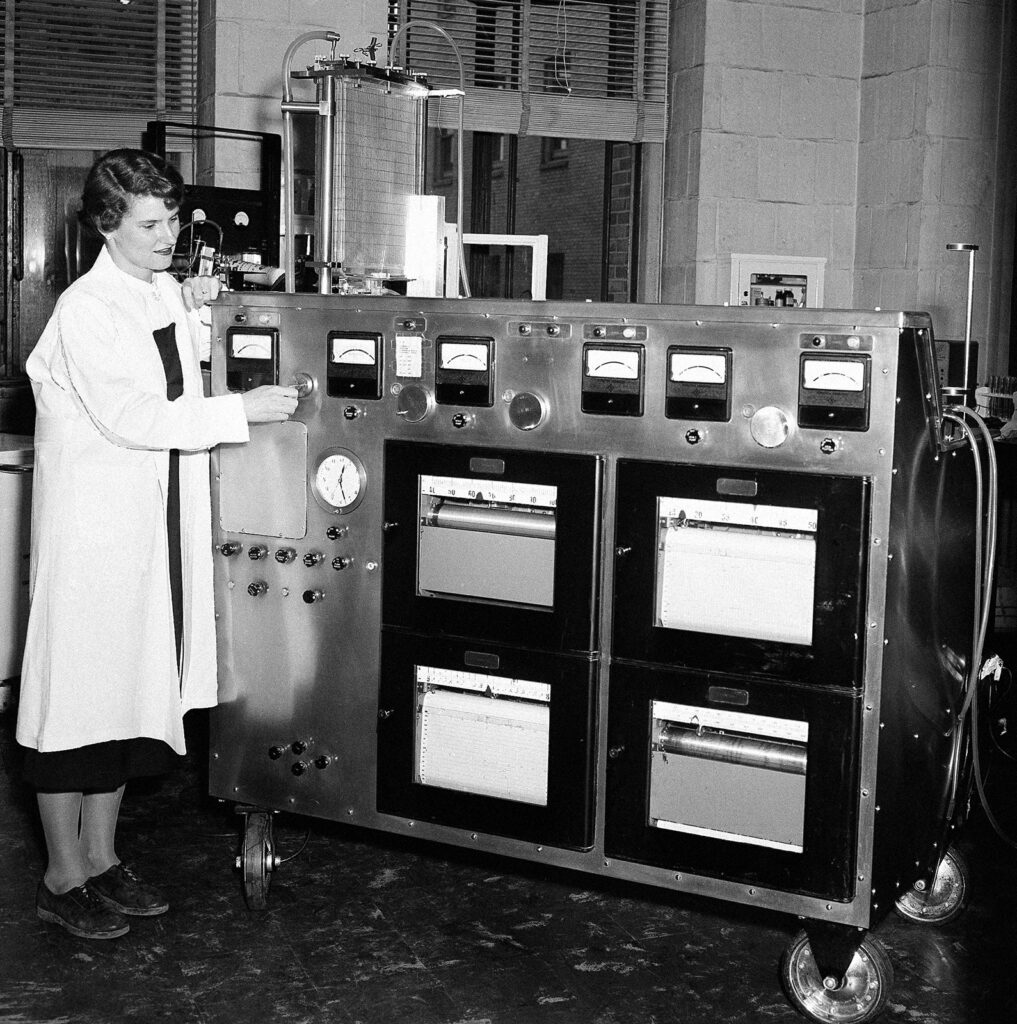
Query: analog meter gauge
x,y
339,480
454,355
619,363
833,374
245,345
463,371
698,385
354,365
833,393
698,367
612,379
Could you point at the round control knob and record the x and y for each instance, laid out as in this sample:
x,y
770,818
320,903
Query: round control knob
x,y
322,761
335,532
256,551
351,412
341,562
231,547
304,383
276,752
285,555
461,419
828,446
313,596
257,588
769,427
693,435
313,558
526,410
298,767
413,403
298,747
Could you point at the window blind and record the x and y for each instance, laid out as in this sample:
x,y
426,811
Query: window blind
x,y
89,74
567,68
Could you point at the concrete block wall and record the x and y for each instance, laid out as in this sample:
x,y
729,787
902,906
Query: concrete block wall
x,y
766,163
935,164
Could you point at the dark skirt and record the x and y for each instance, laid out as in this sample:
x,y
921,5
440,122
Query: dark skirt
x,y
98,767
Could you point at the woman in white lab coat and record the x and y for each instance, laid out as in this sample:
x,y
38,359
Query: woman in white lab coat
x,y
121,639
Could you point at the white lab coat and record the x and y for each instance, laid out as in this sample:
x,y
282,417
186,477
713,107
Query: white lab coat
x,y
100,655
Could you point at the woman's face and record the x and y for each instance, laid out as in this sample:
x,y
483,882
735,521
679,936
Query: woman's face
x,y
144,241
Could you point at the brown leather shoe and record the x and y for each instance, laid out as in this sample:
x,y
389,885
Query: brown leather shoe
x,y
122,889
81,912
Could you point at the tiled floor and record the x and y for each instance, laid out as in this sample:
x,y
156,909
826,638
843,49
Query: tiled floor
x,y
369,928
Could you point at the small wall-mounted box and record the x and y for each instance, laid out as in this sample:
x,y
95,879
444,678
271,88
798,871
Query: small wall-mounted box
x,y
777,280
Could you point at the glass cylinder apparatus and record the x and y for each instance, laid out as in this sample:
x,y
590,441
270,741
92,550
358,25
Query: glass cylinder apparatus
x,y
369,165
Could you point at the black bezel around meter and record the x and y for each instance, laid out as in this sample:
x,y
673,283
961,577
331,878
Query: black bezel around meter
x,y
833,391
698,383
354,365
464,371
252,357
612,379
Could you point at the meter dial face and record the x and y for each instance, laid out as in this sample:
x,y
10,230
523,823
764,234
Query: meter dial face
x,y
339,480
354,350
622,363
456,355
698,368
250,346
833,375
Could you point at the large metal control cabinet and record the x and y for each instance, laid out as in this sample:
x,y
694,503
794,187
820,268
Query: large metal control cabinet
x,y
681,595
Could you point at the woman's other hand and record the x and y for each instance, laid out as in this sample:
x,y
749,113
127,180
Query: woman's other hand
x,y
269,404
199,291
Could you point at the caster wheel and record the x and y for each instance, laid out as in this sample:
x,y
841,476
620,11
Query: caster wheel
x,y
946,899
862,995
257,859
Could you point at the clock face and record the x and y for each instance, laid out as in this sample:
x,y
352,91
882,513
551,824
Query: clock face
x,y
339,480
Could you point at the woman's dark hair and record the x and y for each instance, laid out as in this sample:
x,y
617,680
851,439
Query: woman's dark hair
x,y
121,175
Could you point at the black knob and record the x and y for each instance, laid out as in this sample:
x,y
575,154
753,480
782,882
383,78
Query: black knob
x,y
256,551
828,446
615,752
693,436
298,746
298,767
285,555
276,752
335,532
459,420
257,588
313,558
231,547
322,761
351,412
341,562
312,596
